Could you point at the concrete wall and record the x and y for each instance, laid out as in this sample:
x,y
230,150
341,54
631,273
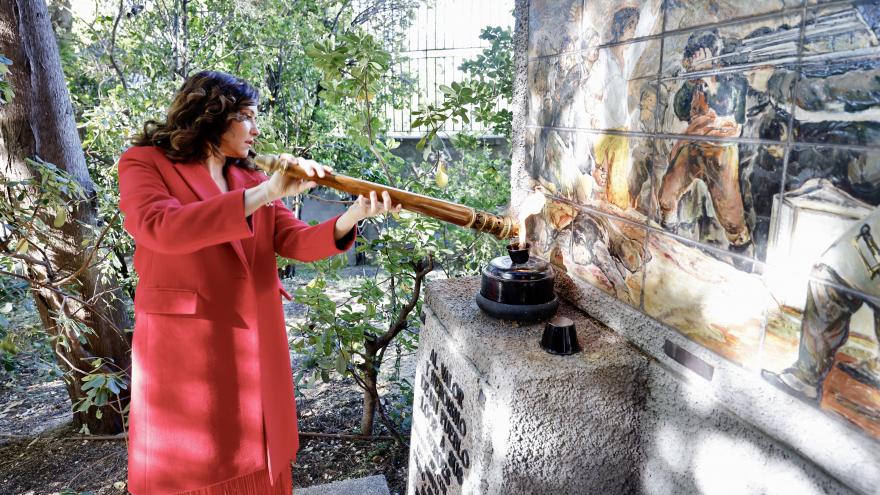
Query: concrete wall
x,y
709,168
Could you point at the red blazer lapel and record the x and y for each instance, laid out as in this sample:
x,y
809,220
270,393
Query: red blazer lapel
x,y
198,178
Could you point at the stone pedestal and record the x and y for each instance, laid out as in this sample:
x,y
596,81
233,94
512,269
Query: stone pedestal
x,y
496,414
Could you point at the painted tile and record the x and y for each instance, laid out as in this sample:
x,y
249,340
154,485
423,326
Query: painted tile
x,y
828,350
556,86
851,171
733,47
609,172
838,102
731,82
751,104
843,30
601,88
559,161
707,299
717,193
542,87
681,14
554,27
608,254
617,84
616,21
827,190
550,232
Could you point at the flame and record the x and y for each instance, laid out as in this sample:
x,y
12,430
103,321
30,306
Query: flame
x,y
532,205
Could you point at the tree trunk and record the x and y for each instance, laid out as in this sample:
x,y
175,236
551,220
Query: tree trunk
x,y
370,377
39,122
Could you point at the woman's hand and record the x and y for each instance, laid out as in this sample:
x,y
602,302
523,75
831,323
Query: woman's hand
x,y
281,185
364,208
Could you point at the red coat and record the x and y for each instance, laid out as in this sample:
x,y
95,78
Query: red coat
x,y
212,392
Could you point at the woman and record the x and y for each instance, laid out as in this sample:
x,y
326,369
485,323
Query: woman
x,y
212,406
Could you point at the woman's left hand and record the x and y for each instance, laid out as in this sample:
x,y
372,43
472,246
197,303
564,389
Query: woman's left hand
x,y
366,207
363,208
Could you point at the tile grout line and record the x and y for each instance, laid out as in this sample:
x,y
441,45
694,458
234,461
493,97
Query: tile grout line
x,y
725,23
784,175
652,213
739,140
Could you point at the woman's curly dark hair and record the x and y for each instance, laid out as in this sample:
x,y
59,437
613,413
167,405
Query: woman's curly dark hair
x,y
198,116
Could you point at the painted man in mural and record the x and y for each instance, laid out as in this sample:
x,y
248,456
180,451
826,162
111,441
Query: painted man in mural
x,y
849,267
713,106
606,104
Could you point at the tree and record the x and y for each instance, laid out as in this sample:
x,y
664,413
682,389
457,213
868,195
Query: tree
x,y
353,339
50,221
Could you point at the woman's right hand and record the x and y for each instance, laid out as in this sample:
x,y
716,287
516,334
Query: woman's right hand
x,y
281,185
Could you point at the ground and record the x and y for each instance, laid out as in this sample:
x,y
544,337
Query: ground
x,y
41,453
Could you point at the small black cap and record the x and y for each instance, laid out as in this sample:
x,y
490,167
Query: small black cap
x,y
519,254
560,337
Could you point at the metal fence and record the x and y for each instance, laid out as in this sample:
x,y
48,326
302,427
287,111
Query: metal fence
x,y
442,36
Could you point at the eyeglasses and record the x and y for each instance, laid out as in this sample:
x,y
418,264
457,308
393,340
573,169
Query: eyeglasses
x,y
242,117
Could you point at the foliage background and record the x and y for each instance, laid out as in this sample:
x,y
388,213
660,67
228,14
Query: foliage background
x,y
320,73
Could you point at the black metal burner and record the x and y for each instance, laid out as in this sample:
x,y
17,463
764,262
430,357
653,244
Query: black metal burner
x,y
520,290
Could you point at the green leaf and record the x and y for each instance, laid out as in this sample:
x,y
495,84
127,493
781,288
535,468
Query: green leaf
x,y
22,247
60,216
341,364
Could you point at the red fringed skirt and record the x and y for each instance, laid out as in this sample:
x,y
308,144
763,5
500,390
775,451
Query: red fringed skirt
x,y
250,484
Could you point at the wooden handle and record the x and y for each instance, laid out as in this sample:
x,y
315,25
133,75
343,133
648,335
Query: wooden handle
x,y
465,216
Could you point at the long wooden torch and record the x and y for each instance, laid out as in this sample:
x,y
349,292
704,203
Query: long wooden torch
x,y
465,216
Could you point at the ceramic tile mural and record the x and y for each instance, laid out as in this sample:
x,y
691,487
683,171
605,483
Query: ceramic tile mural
x,y
733,47
682,14
607,253
716,164
706,297
841,30
599,88
617,21
554,27
696,199
606,171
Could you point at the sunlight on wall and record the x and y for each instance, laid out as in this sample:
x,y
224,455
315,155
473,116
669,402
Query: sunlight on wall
x,y
804,228
720,461
670,442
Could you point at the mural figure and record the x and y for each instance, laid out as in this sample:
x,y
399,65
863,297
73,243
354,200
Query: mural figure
x,y
610,255
652,106
606,103
712,106
851,265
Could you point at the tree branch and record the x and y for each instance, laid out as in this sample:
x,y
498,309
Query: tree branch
x,y
112,46
402,316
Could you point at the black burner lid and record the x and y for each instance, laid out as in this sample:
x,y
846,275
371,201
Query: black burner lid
x,y
534,269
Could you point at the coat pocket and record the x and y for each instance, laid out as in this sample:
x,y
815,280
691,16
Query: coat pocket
x,y
163,301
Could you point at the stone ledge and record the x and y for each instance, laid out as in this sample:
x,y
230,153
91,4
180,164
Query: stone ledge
x,y
621,417
372,485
